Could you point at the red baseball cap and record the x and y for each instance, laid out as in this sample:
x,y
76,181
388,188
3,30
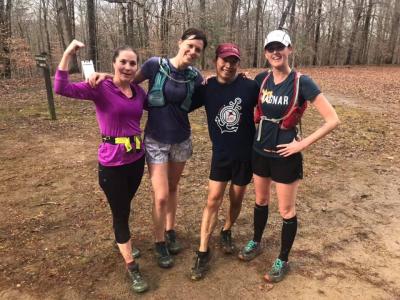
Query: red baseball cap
x,y
227,49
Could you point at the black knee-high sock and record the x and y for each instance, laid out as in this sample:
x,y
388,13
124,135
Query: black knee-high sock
x,y
289,229
260,220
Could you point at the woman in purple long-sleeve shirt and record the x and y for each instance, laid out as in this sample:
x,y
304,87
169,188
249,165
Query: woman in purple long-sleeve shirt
x,y
119,107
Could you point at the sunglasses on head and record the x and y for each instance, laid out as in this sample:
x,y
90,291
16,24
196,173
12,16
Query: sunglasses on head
x,y
275,47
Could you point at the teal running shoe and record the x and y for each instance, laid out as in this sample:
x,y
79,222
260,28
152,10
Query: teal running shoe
x,y
278,271
250,251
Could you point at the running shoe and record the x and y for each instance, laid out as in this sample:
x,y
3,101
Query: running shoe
x,y
174,247
250,251
226,241
139,285
278,271
200,266
164,258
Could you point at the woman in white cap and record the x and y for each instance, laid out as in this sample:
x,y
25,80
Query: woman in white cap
x,y
277,147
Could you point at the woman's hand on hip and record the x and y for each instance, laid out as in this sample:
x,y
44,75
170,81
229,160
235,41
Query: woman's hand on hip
x,y
286,150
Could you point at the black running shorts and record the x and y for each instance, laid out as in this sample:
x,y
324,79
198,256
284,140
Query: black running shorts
x,y
279,169
238,172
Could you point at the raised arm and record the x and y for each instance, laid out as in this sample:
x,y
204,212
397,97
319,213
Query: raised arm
x,y
331,119
63,86
72,49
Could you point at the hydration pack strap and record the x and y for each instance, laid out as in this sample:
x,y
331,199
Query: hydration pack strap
x,y
289,110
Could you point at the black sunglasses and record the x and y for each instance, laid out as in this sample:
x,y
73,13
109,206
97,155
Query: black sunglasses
x,y
276,46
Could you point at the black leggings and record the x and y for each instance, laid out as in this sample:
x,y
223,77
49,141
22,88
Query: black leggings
x,y
120,184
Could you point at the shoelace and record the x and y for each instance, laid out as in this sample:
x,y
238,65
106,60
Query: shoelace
x,y
278,264
137,277
250,246
163,251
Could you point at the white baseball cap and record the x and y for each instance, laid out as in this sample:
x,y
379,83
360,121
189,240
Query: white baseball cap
x,y
279,36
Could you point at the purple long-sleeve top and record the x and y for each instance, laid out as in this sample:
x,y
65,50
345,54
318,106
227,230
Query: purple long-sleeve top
x,y
117,115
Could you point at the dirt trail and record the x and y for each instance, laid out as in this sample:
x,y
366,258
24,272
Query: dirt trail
x,y
55,232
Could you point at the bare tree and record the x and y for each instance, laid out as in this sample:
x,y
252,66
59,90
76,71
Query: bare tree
x,y
363,53
45,5
131,34
338,45
91,24
232,20
358,7
285,13
394,33
73,67
203,27
5,38
163,27
317,33
256,41
124,23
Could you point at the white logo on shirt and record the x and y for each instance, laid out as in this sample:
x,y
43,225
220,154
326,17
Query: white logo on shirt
x,y
269,98
229,116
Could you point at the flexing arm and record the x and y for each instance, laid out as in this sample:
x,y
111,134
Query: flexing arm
x,y
72,49
62,86
331,119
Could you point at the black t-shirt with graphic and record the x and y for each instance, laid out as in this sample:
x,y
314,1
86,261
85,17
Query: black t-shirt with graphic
x,y
230,116
275,101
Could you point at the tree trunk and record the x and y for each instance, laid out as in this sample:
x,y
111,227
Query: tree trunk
x,y
73,66
59,25
163,29
317,33
91,21
338,45
357,16
71,14
41,30
169,17
363,54
285,13
394,33
232,20
203,27
187,13
131,34
46,29
5,37
139,27
124,24
256,41
292,19
247,36
145,26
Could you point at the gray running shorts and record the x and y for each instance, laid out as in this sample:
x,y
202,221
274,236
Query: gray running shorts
x,y
158,153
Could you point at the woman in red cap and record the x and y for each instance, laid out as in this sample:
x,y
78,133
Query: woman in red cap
x,y
277,147
229,101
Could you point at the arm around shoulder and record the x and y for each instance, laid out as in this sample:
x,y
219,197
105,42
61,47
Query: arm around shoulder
x,y
139,77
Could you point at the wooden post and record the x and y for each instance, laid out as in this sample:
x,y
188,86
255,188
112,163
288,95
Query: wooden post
x,y
41,62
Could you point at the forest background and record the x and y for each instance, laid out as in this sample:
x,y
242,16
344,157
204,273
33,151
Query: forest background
x,y
337,32
56,239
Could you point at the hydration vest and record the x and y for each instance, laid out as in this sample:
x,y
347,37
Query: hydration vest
x,y
293,113
156,95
